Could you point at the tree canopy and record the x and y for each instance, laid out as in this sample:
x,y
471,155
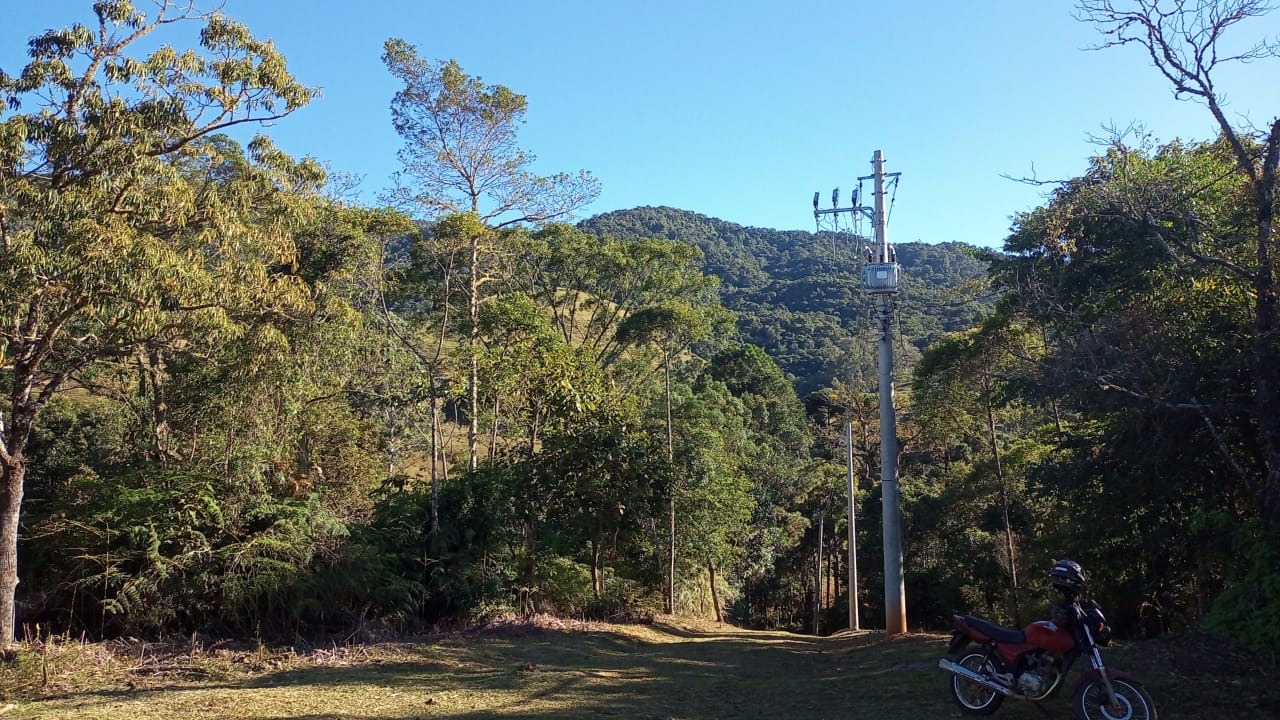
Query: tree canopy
x,y
237,404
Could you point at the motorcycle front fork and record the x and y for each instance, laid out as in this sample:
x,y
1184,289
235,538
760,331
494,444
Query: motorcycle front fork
x,y
1095,659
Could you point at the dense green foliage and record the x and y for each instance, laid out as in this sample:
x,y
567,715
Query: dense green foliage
x,y
237,405
1121,379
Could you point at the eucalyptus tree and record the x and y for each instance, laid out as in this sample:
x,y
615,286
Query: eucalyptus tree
x,y
123,222
461,155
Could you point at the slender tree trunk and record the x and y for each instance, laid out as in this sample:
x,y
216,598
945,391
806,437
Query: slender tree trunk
x,y
597,582
530,565
533,430
473,352
1004,496
1053,401
715,592
493,429
435,464
835,565
817,585
671,505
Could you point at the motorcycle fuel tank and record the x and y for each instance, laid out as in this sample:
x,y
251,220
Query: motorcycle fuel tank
x,y
1050,636
1044,635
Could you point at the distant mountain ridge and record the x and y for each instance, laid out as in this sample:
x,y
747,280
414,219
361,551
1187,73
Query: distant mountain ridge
x,y
799,295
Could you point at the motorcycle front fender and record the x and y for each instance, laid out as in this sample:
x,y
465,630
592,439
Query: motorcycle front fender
x,y
1091,675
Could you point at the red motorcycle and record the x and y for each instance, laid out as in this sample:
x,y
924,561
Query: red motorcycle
x,y
1032,663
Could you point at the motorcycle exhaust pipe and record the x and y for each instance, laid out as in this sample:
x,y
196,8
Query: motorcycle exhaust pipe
x,y
968,674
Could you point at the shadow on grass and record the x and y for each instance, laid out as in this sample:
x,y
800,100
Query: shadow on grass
x,y
681,674
661,673
665,673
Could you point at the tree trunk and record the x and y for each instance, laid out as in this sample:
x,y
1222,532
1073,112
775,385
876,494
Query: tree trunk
x,y
671,506
151,384
1004,497
473,352
671,554
12,473
530,567
715,592
533,431
817,585
435,464
493,429
597,581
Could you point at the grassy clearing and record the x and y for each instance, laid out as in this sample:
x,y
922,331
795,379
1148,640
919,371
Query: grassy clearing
x,y
666,671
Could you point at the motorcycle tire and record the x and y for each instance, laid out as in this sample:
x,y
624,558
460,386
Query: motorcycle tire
x,y
1132,702
972,698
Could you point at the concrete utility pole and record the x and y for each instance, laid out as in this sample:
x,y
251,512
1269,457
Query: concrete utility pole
x,y
854,622
817,595
882,276
882,279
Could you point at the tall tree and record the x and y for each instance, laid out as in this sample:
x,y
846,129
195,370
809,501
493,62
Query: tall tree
x,y
461,155
121,218
1146,376
591,285
1184,41
962,394
670,327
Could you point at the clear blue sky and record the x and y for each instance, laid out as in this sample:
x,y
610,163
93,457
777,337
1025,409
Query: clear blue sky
x,y
742,110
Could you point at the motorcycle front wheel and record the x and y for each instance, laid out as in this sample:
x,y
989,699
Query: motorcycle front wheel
x,y
1132,702
973,698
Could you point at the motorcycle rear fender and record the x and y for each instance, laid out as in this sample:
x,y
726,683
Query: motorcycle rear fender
x,y
1091,675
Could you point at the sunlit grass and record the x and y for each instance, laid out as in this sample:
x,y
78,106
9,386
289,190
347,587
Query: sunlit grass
x,y
669,670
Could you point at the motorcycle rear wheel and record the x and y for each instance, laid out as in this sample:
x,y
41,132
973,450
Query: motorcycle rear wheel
x,y
972,698
1132,702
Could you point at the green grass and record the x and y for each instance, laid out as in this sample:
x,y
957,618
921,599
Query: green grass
x,y
666,671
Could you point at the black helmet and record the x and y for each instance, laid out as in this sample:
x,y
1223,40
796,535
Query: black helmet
x,y
1068,576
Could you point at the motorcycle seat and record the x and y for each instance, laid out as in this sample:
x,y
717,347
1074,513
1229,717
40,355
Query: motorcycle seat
x,y
994,631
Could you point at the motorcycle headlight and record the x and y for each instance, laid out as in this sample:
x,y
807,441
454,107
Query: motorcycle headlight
x,y
1097,623
1102,635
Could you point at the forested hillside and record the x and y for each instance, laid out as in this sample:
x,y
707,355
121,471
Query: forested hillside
x,y
799,295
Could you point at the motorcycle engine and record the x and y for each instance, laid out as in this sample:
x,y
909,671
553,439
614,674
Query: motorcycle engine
x,y
1039,675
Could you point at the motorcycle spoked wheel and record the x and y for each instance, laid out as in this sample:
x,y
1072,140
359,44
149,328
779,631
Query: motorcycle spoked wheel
x,y
1132,702
972,698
